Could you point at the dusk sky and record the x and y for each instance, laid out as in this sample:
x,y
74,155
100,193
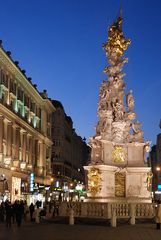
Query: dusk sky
x,y
59,44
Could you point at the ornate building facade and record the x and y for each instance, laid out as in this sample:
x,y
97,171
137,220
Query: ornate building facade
x,y
69,153
25,132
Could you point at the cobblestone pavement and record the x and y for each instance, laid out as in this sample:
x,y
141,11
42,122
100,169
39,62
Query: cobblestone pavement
x,y
80,231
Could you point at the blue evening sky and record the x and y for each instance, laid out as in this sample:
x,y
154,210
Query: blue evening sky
x,y
59,44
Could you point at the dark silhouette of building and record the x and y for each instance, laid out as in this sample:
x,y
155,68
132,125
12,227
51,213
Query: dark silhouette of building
x,y
154,161
69,153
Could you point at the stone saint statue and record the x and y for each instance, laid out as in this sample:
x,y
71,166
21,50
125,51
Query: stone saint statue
x,y
136,126
138,133
118,111
130,101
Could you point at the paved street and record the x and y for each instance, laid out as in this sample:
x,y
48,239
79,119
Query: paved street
x,y
80,231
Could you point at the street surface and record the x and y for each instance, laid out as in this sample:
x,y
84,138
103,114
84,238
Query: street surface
x,y
82,230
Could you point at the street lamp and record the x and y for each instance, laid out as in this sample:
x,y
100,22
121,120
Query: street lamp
x,y
158,169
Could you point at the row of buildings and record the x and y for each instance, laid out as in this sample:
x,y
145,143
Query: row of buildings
x,y
154,161
41,156
69,154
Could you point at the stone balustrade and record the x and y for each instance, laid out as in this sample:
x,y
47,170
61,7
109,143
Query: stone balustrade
x,y
111,211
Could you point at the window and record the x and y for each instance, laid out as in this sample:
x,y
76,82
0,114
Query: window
x,y
32,108
20,94
3,80
13,87
7,81
38,113
26,101
56,143
48,117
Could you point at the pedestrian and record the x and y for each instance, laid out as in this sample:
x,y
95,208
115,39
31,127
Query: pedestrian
x,y
56,209
31,209
2,211
25,211
13,215
158,215
19,212
37,214
8,210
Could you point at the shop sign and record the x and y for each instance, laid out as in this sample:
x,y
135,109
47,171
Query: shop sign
x,y
31,182
159,187
57,189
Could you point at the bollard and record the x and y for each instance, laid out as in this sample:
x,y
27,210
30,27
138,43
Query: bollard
x,y
132,214
71,217
113,219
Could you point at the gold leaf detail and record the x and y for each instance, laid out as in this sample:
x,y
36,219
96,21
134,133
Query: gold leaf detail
x,y
94,180
119,155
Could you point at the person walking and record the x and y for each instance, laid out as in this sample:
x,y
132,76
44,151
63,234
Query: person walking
x,y
2,212
56,209
19,212
25,211
31,209
8,210
37,214
13,215
158,215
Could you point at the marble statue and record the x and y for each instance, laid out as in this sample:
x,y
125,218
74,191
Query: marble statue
x,y
130,101
118,142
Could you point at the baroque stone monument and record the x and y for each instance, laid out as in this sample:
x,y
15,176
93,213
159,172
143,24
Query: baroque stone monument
x,y
117,170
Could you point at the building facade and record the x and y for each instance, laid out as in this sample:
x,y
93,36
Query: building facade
x,y
69,154
154,161
25,133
